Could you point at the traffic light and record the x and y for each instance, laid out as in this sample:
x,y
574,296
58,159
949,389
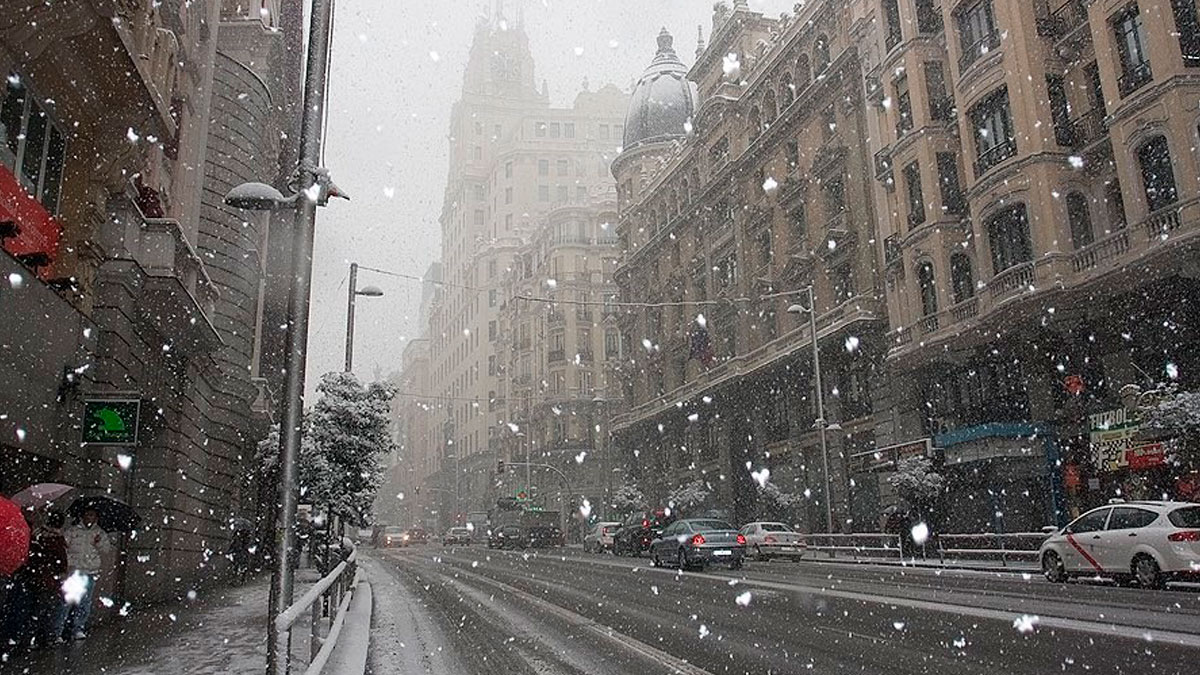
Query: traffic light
x,y
499,467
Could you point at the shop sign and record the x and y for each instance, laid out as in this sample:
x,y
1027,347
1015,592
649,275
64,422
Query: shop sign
x,y
111,421
1115,444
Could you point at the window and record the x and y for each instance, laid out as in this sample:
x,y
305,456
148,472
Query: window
x,y
787,91
929,17
994,137
539,130
1154,158
725,273
1089,522
33,146
916,200
928,287
508,169
1188,27
564,167
977,32
952,196
718,153
1080,220
604,132
491,331
941,104
1008,236
904,119
558,385
555,130
891,11
1060,110
543,193
821,54
587,383
962,279
543,167
581,194
612,344
834,192
799,225
569,130
478,128
508,195
1130,518
762,242
793,156
479,191
1131,50
478,217
491,364
493,294
843,282
1116,205
563,194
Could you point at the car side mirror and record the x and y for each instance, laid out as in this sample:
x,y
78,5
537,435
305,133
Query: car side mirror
x,y
1049,529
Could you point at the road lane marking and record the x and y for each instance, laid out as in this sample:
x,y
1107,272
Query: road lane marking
x,y
676,664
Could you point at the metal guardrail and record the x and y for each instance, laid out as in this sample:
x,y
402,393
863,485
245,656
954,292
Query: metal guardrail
x,y
329,597
945,549
870,546
990,546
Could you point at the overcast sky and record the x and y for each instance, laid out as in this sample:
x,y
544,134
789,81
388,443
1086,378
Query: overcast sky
x,y
397,68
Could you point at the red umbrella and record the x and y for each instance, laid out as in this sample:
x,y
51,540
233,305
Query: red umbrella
x,y
14,537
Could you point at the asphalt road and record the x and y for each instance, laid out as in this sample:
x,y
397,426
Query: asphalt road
x,y
474,610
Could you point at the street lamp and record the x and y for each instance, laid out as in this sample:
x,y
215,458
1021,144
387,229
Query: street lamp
x,y
315,189
355,291
604,449
821,423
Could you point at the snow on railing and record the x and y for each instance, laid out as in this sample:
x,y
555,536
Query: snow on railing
x,y
332,591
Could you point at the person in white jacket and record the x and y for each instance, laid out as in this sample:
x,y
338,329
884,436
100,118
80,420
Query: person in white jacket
x,y
86,546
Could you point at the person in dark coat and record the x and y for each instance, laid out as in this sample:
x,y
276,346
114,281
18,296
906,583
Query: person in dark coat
x,y
47,568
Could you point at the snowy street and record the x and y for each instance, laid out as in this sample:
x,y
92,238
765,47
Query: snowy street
x,y
475,610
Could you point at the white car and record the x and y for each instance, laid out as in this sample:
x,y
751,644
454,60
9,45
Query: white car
x,y
766,540
1147,542
600,539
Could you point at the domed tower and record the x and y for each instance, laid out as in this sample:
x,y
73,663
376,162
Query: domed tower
x,y
661,104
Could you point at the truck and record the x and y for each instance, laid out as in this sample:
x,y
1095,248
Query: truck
x,y
531,525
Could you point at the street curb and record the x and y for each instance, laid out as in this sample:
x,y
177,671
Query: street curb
x,y
353,642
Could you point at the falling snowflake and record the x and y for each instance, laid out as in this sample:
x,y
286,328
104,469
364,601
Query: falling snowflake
x,y
703,631
852,343
585,509
743,599
1025,623
770,185
580,457
732,66
761,476
1075,161
920,534
124,461
898,625
433,56
1172,371
131,135
702,322
74,588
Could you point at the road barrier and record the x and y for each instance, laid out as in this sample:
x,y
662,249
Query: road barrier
x,y
328,598
866,546
1007,547
949,550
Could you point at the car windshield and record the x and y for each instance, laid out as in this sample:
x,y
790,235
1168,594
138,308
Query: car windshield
x,y
1188,516
564,284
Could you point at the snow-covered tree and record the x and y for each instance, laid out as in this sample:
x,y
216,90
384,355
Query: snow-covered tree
x,y
1178,413
344,440
775,504
688,496
628,498
917,483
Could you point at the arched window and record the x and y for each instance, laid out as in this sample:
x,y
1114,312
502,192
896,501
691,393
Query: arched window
x,y
803,73
961,277
770,112
1080,220
787,90
1008,236
928,286
755,122
821,54
1158,179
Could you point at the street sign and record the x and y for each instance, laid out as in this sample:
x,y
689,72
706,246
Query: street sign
x,y
111,421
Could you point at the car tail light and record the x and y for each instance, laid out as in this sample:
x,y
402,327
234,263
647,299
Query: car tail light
x,y
698,540
741,539
1186,535
645,523
767,539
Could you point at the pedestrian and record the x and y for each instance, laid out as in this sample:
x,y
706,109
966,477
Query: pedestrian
x,y
86,545
17,609
48,568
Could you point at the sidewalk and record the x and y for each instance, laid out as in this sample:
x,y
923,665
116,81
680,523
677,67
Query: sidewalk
x,y
222,632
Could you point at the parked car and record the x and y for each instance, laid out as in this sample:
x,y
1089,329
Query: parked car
x,y
600,539
697,543
416,535
1150,542
457,536
391,536
638,530
766,540
508,536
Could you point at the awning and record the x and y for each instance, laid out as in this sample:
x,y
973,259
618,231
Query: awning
x,y
38,231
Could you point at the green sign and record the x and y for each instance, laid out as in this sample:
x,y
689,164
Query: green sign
x,y
111,421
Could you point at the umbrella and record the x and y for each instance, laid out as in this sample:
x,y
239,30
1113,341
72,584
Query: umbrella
x,y
14,537
37,496
239,523
115,515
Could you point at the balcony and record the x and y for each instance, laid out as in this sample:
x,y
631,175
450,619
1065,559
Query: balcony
x,y
981,47
891,250
1163,222
928,324
586,356
1134,77
1064,22
1097,253
1087,128
556,355
554,318
883,167
1017,276
994,155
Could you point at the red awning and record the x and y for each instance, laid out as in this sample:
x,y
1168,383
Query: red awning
x,y
39,231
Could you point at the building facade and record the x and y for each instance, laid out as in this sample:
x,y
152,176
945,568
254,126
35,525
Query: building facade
x,y
757,188
1037,171
554,355
124,125
513,158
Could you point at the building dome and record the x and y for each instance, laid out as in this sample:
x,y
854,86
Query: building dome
x,y
663,99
